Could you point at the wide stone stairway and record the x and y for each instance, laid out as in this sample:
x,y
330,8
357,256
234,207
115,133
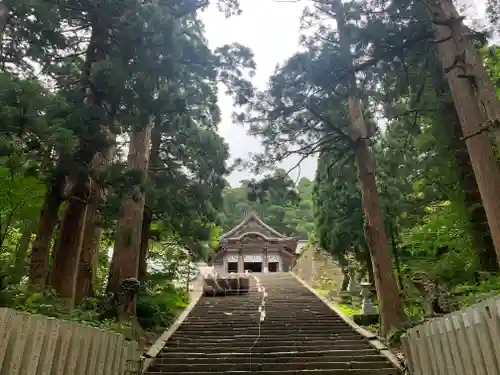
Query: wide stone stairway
x,y
299,335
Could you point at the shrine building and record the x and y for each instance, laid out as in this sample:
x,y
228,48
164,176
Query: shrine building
x,y
254,246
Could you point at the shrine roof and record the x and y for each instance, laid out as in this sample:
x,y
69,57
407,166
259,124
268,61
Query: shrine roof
x,y
258,234
254,224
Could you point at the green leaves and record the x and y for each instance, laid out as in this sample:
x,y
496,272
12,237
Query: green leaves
x,y
281,203
338,212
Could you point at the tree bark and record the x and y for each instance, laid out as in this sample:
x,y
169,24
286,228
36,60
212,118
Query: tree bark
x,y
90,249
395,251
154,160
40,251
472,197
368,264
22,254
67,253
143,256
4,19
472,118
65,268
125,260
345,280
92,232
391,306
466,62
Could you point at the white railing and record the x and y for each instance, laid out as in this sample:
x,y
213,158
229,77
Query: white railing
x,y
38,345
466,342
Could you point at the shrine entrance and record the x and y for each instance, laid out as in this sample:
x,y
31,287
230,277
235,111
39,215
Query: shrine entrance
x,y
254,246
253,266
273,267
232,267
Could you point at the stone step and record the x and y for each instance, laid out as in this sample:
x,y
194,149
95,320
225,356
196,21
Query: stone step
x,y
255,365
234,318
266,324
224,319
253,311
272,355
233,314
333,356
300,335
263,348
228,331
271,342
386,371
196,338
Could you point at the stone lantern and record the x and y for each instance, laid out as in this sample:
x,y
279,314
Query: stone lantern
x,y
369,314
367,308
353,286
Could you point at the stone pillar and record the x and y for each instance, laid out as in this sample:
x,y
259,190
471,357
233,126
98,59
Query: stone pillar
x,y
241,260
265,263
224,264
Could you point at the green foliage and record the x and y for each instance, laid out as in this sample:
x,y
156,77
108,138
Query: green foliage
x,y
430,200
440,245
159,309
350,309
45,302
282,204
154,309
337,208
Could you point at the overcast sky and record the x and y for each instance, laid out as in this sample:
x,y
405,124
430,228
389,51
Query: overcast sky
x,y
271,29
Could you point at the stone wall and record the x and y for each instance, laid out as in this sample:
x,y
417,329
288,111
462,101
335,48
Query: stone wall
x,y
318,270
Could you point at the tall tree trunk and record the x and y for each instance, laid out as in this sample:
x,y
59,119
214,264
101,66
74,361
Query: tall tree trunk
x,y
4,19
40,251
345,279
154,160
466,62
125,261
22,254
368,263
393,235
472,197
143,256
453,43
92,232
90,248
67,253
65,268
391,306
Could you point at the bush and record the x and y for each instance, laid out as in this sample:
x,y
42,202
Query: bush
x,y
160,308
22,298
153,309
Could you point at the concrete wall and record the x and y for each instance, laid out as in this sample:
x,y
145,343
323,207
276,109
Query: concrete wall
x,y
318,269
38,345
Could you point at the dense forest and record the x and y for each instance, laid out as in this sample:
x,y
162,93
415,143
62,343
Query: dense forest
x,y
399,101
114,175
110,159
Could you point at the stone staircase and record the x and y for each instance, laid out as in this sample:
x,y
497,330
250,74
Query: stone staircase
x,y
299,335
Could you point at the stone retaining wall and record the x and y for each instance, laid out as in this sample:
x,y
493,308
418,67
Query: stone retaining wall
x,y
318,270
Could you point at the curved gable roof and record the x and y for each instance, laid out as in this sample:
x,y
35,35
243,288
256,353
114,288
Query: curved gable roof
x,y
252,216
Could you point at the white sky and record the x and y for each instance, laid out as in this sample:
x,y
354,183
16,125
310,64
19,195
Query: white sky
x,y
271,29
